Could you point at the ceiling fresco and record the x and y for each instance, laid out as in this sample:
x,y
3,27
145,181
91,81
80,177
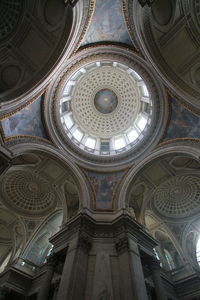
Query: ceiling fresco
x,y
104,186
107,24
27,121
183,123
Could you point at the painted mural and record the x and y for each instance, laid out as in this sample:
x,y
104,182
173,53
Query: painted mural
x,y
107,24
27,121
105,101
183,123
104,185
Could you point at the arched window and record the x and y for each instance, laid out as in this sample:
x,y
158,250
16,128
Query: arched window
x,y
157,257
169,260
198,251
40,247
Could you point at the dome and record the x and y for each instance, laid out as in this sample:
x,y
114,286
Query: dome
x,y
10,12
105,107
178,196
27,193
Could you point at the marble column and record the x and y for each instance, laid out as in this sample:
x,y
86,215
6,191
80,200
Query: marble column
x,y
45,288
159,289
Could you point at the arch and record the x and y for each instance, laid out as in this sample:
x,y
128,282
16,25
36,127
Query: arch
x,y
59,157
179,148
13,237
160,40
38,247
156,227
190,237
69,26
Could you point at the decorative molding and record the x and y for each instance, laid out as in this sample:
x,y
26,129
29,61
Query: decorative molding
x,y
68,39
84,242
128,25
123,55
142,25
146,2
122,245
89,227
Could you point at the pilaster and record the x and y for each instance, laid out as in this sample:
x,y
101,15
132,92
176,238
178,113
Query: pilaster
x,y
102,258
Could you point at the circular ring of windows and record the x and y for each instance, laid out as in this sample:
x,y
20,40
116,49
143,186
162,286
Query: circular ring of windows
x,y
105,108
106,104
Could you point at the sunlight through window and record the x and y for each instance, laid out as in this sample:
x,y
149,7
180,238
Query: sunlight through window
x,y
78,135
119,143
68,121
90,143
142,123
198,251
132,135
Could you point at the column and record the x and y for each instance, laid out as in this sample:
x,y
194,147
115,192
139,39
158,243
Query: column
x,y
4,293
131,270
55,288
159,289
72,285
126,288
45,288
137,271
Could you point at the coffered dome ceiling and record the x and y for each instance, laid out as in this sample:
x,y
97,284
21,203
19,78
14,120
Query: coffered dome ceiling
x,y
34,37
10,12
105,105
35,184
178,196
28,193
169,187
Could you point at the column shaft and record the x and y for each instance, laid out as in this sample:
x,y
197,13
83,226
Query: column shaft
x,y
137,272
159,289
72,285
45,288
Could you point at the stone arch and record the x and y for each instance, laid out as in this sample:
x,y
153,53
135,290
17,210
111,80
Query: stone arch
x,y
24,69
38,246
160,40
13,237
190,237
159,230
175,165
21,153
188,149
